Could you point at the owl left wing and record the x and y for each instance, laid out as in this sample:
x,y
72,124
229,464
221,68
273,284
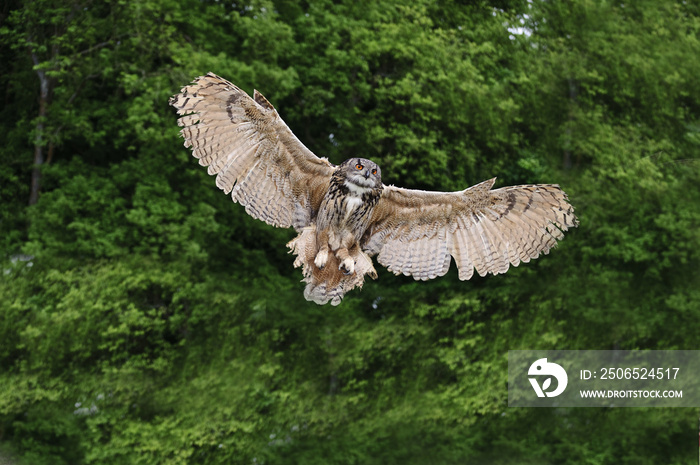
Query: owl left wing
x,y
252,152
416,232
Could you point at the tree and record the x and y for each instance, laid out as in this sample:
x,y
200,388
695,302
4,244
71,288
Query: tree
x,y
155,322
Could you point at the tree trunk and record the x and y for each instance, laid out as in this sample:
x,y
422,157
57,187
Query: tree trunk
x,y
45,88
572,102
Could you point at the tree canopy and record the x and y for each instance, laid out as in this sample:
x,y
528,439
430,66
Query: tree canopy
x,y
145,318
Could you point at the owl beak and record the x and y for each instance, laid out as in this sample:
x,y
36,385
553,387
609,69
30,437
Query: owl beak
x,y
367,175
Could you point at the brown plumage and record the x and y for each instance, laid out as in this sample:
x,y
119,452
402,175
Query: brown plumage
x,y
344,214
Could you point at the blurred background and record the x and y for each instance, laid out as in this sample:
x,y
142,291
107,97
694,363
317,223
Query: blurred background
x,y
146,319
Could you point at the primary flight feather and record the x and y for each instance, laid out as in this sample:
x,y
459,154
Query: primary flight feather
x,y
345,215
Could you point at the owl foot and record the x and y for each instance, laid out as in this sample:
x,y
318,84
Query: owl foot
x,y
321,259
347,266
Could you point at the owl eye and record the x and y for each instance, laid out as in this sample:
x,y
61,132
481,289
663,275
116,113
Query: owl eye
x,y
374,171
359,166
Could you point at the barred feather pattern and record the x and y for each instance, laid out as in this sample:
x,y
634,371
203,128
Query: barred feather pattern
x,y
264,167
252,152
332,212
328,284
417,233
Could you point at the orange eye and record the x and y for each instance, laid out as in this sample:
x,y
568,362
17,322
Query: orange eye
x,y
359,167
374,171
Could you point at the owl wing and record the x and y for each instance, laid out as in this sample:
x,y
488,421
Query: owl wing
x,y
416,232
252,152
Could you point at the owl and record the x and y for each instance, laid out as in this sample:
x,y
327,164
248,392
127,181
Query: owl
x,y
344,215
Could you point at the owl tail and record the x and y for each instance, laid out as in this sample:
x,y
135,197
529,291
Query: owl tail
x,y
330,283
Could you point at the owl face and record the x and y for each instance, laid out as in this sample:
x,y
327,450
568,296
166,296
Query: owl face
x,y
362,173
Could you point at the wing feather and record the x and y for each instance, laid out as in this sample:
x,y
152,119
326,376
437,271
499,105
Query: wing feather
x,y
254,155
479,248
499,253
488,230
460,251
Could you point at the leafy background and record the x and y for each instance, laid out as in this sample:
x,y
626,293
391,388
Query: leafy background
x,y
144,318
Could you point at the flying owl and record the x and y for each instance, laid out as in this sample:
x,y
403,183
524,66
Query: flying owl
x,y
344,215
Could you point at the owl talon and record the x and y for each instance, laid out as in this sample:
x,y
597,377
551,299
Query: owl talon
x,y
321,259
347,267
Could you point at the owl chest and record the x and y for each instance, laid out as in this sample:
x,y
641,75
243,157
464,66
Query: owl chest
x,y
345,214
352,204
348,212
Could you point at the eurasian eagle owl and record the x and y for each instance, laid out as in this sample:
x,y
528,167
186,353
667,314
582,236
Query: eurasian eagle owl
x,y
344,214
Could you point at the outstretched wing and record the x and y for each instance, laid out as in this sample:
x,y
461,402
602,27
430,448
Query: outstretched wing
x,y
416,232
253,154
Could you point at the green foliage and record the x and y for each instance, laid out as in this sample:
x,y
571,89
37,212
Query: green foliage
x,y
144,318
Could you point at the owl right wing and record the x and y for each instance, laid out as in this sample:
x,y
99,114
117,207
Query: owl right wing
x,y
416,232
252,152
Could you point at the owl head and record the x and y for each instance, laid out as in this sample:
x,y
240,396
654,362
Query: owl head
x,y
361,172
